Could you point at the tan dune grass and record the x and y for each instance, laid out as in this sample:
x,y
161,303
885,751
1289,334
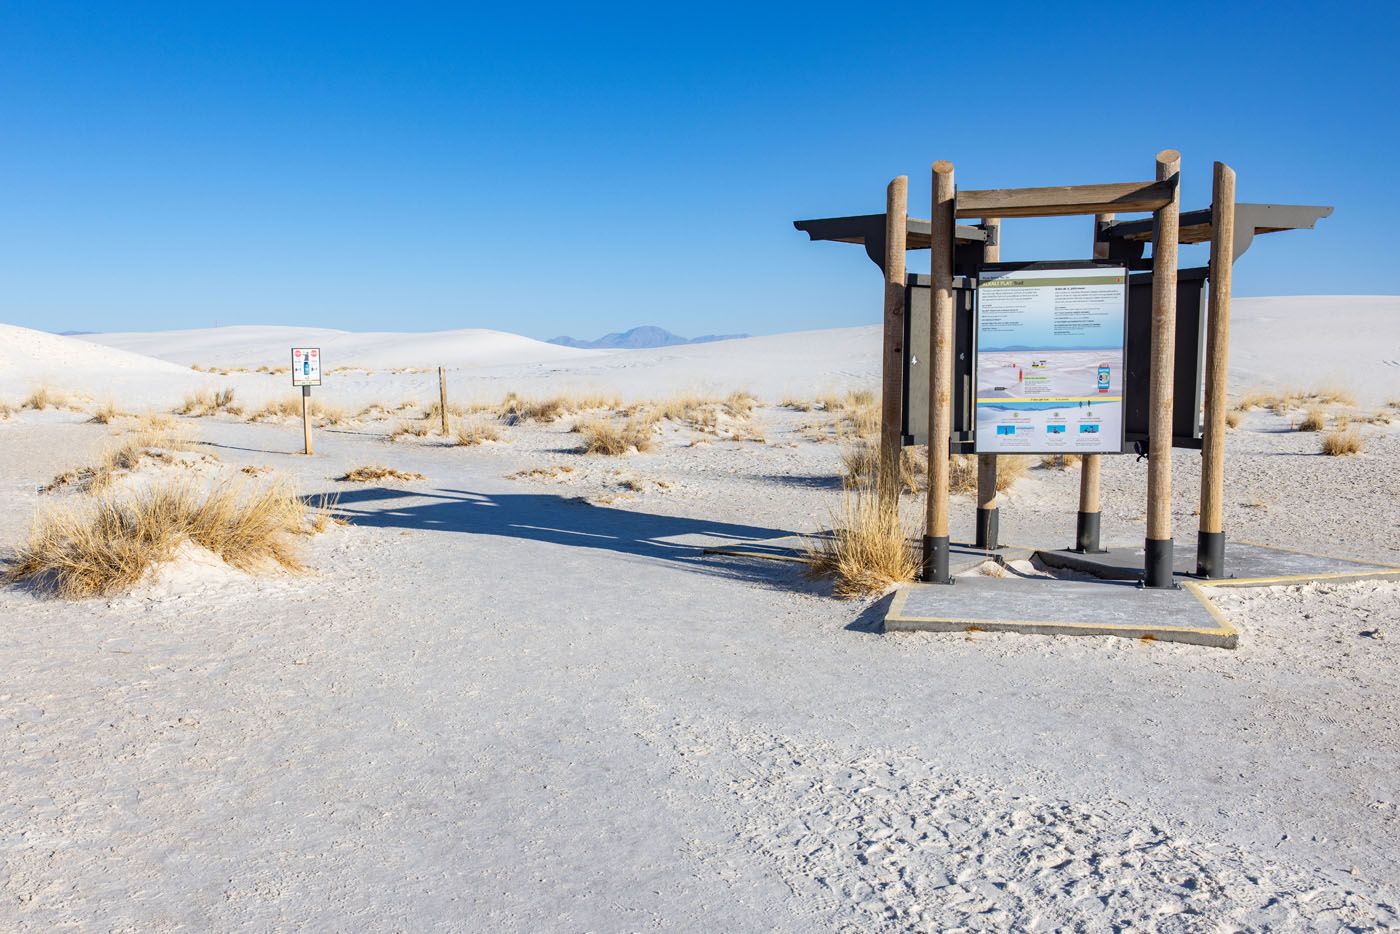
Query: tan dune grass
x,y
1342,441
868,550
107,544
371,473
470,433
604,437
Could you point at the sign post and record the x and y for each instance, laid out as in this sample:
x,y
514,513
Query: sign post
x,y
306,372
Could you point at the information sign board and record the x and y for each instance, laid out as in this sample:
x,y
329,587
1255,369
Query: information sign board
x,y
306,366
1050,361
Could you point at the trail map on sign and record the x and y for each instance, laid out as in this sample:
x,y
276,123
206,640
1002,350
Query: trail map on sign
x,y
1050,359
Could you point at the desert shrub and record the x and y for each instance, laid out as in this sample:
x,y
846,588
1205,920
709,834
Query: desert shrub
x,y
475,432
207,402
1053,461
106,545
517,409
105,414
739,404
42,397
408,429
1313,420
869,546
372,473
1342,441
605,437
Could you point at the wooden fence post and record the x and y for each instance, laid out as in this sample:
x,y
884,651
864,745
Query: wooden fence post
x,y
1158,561
940,396
988,514
892,383
306,417
1086,532
1210,543
442,400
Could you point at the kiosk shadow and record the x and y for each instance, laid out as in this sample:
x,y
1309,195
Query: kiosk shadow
x,y
570,522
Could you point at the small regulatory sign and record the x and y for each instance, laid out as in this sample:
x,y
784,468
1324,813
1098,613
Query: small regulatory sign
x,y
306,366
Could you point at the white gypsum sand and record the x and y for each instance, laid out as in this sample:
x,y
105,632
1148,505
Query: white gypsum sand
x,y
531,703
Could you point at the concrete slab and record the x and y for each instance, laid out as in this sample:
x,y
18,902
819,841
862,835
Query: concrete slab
x,y
1047,606
1243,561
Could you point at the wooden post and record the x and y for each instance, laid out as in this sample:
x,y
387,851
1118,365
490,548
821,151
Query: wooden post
x,y
892,384
940,356
1158,559
988,514
1086,533
442,400
1210,544
306,417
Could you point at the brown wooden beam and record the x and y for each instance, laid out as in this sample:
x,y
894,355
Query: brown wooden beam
x,y
1061,201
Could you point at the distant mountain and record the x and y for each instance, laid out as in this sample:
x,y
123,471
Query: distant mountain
x,y
639,338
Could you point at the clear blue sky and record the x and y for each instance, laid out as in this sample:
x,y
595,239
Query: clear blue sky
x,y
580,168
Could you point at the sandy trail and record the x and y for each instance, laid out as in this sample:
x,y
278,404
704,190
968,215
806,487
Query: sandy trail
x,y
494,705
523,702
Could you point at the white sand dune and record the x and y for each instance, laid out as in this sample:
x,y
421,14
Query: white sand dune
x,y
1352,342
29,359
1348,341
258,345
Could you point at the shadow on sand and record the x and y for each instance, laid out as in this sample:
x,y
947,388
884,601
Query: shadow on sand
x,y
573,523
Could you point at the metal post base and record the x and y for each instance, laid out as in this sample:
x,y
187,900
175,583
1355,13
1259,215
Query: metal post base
x,y
1157,569
1086,534
1210,554
935,569
987,527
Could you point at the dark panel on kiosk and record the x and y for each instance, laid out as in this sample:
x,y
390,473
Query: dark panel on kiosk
x,y
917,298
1190,358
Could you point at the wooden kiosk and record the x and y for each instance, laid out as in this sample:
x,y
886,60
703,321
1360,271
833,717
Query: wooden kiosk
x,y
1179,398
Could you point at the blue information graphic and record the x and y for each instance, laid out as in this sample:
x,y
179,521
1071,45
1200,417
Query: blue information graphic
x,y
1050,360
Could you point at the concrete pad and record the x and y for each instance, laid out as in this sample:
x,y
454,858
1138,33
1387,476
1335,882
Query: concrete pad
x,y
1243,561
1047,606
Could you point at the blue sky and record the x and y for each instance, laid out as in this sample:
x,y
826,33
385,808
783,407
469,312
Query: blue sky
x,y
581,168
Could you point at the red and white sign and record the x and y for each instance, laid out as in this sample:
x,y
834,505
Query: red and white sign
x,y
306,366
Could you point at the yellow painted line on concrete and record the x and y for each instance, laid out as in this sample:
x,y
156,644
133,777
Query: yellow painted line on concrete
x,y
1337,576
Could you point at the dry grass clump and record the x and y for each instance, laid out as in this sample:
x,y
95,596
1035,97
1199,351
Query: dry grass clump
x,y
286,407
1280,403
1342,441
869,547
1379,417
553,472
1053,461
152,437
473,433
797,405
739,404
1313,420
6,409
42,397
372,473
105,414
605,437
409,429
1232,419
861,462
962,472
108,544
515,408
206,402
